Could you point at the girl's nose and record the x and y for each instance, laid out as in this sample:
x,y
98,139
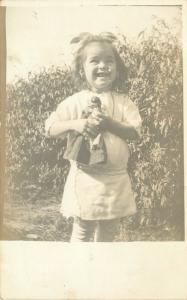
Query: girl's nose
x,y
102,65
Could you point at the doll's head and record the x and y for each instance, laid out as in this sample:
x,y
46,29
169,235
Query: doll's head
x,y
97,64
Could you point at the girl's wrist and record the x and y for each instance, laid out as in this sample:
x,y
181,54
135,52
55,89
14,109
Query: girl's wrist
x,y
111,124
74,124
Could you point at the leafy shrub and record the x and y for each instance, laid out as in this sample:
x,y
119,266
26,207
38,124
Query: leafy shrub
x,y
35,163
157,88
154,65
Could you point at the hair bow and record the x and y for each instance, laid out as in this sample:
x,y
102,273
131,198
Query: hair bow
x,y
108,36
82,36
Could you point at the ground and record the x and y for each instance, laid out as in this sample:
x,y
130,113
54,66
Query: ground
x,y
39,219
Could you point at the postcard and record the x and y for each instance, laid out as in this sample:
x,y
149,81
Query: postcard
x,y
93,149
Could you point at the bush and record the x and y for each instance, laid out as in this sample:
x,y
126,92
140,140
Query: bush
x,y
157,88
154,66
36,163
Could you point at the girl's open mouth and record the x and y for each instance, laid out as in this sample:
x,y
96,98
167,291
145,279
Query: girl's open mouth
x,y
102,75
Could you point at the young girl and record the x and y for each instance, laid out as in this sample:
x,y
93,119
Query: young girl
x,y
98,195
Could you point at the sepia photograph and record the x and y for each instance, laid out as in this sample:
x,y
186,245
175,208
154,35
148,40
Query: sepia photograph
x,y
93,150
94,124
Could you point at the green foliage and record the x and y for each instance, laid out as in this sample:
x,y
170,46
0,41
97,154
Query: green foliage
x,y
154,65
35,163
156,86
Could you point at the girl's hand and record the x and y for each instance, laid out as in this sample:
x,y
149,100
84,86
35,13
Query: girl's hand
x,y
120,129
104,121
87,127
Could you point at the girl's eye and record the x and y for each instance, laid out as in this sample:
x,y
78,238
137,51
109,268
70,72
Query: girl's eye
x,y
110,61
94,61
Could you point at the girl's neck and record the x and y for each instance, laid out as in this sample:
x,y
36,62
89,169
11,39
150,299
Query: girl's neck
x,y
99,92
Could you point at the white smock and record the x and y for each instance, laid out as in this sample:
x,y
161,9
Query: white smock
x,y
102,191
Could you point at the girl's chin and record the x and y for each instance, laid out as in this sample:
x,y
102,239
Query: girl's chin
x,y
102,87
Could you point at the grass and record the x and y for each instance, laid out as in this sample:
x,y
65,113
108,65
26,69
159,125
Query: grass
x,y
39,219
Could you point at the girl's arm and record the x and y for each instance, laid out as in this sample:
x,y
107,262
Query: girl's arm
x,y
121,129
83,126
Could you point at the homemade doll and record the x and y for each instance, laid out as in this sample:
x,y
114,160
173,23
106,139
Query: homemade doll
x,y
83,148
97,195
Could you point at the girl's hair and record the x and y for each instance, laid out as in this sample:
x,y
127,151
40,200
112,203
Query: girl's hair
x,y
77,67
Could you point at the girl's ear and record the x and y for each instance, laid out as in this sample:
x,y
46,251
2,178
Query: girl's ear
x,y
81,73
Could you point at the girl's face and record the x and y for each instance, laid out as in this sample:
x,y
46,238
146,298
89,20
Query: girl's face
x,y
99,66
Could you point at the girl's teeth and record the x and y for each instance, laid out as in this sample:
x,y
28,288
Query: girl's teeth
x,y
101,74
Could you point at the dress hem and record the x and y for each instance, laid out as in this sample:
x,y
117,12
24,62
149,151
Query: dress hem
x,y
99,219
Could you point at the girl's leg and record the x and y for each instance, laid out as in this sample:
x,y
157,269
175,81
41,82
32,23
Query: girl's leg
x,y
106,230
82,230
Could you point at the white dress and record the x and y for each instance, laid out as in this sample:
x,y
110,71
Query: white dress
x,y
103,191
